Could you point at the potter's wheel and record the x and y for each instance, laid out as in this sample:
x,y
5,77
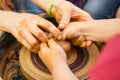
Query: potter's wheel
x,y
80,60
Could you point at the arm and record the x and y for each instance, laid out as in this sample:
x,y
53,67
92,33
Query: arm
x,y
118,13
94,30
63,72
41,3
101,30
44,3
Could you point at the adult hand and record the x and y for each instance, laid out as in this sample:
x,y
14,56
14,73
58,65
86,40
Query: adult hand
x,y
64,12
52,54
75,32
28,28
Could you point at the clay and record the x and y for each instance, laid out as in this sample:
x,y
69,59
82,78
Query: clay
x,y
64,44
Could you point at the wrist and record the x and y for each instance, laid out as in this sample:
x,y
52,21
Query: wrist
x,y
49,6
63,72
58,66
4,20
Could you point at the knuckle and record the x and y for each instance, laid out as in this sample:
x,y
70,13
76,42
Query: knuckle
x,y
49,24
42,36
30,47
34,43
39,34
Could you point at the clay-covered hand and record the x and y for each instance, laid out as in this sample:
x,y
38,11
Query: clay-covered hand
x,y
64,11
75,32
52,54
28,29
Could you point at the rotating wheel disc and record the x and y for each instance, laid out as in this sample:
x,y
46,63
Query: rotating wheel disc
x,y
80,61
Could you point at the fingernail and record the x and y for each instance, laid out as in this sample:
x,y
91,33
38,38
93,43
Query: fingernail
x,y
60,36
50,36
61,25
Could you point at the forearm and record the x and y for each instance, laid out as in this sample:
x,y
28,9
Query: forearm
x,y
63,72
2,26
4,20
43,3
118,13
101,30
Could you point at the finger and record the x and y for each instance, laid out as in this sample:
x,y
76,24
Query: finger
x,y
83,44
60,37
43,47
53,45
24,42
89,43
48,26
83,16
43,50
38,33
65,19
58,18
36,49
78,41
30,38
70,33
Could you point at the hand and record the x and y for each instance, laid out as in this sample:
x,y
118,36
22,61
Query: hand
x,y
75,32
64,12
28,28
52,54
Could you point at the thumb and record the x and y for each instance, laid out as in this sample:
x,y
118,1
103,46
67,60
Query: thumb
x,y
73,30
53,45
64,20
70,33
